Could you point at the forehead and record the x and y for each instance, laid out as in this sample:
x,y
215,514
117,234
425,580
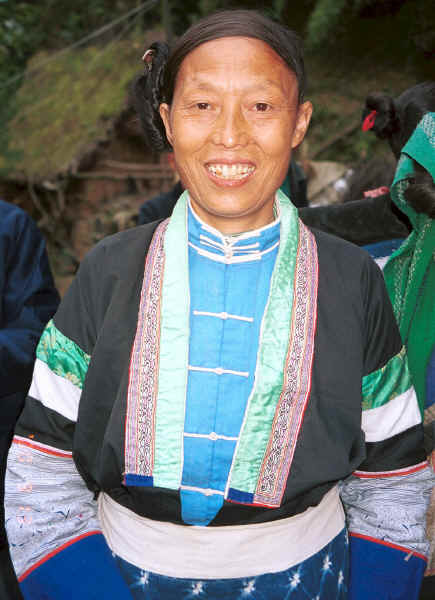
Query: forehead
x,y
235,61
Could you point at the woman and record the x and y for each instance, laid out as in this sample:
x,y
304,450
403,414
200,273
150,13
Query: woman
x,y
28,299
408,124
203,375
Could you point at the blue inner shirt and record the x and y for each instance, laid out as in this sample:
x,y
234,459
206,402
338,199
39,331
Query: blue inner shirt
x,y
229,286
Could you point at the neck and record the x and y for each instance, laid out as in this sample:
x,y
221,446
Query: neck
x,y
236,225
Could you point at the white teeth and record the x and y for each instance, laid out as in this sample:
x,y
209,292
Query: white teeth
x,y
237,171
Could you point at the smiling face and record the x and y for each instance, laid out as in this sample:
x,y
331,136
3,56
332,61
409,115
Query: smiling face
x,y
233,122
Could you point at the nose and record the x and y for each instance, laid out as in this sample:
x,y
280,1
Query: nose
x,y
230,128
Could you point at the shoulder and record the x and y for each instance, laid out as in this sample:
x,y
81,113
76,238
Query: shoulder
x,y
116,261
122,249
123,239
348,276
340,258
12,215
352,285
111,274
9,210
19,234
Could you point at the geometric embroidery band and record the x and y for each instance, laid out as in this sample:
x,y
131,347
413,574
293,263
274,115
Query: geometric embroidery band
x,y
144,368
293,400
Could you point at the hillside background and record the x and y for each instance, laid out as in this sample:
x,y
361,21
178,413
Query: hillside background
x,y
65,70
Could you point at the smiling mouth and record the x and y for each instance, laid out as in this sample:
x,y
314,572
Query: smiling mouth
x,y
234,172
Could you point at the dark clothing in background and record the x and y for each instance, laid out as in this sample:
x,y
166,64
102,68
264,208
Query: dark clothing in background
x,y
361,222
28,299
161,206
295,185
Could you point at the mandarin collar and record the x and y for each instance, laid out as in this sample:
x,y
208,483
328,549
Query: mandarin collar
x,y
250,244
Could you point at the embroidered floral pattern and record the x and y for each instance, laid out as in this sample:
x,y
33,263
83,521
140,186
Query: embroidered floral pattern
x,y
62,355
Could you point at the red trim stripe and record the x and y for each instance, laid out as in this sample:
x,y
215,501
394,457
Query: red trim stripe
x,y
389,544
54,552
42,447
398,473
250,503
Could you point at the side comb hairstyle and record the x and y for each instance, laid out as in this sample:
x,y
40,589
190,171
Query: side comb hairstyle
x,y
147,96
162,64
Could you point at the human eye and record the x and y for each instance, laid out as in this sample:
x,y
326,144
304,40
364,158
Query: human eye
x,y
193,105
262,107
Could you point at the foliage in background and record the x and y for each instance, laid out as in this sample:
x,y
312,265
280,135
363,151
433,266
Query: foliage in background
x,y
27,27
66,104
189,11
354,42
381,28
324,19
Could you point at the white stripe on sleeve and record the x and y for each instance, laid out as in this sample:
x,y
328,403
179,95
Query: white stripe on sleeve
x,y
54,391
395,416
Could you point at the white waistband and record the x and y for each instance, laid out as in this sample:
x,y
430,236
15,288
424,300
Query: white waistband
x,y
219,552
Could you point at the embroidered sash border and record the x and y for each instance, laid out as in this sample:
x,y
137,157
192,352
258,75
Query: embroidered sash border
x,y
297,376
158,369
144,368
174,352
265,484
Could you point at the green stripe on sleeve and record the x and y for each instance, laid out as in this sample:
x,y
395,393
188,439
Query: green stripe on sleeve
x,y
62,355
386,383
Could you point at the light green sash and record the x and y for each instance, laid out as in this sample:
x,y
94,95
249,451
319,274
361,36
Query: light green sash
x,y
282,379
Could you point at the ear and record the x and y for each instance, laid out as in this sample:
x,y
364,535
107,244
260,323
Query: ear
x,y
164,111
303,118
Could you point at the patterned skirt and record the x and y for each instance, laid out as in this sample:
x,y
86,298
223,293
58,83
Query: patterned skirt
x,y
323,576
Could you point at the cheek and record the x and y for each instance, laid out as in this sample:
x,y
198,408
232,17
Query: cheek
x,y
184,148
188,135
186,162
276,143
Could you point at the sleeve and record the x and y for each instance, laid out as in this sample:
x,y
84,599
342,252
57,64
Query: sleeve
x,y
28,300
386,499
56,543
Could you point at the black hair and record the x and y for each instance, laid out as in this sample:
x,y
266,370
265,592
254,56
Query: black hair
x,y
396,118
395,121
157,83
420,194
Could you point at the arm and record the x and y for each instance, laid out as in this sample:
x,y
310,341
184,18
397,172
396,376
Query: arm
x,y
386,498
55,538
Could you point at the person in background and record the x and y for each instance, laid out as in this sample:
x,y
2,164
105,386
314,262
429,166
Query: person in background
x,y
407,123
161,206
295,185
221,407
28,299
